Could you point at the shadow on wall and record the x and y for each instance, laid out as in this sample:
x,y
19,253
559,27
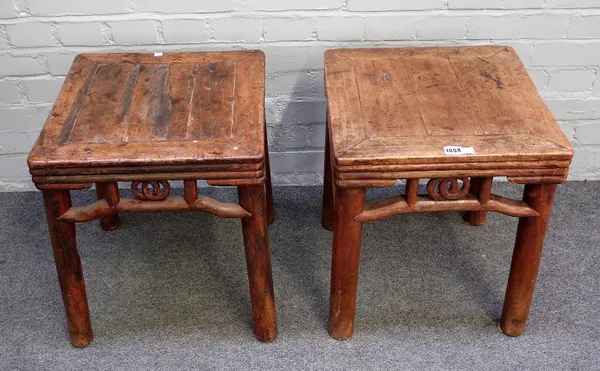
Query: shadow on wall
x,y
295,113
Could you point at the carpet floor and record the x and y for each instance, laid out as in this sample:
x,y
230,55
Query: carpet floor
x,y
169,291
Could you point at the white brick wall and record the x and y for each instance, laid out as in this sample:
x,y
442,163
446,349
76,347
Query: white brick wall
x,y
559,41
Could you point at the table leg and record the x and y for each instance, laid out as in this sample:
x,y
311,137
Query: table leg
x,y
107,222
68,267
477,217
258,259
526,259
347,234
327,213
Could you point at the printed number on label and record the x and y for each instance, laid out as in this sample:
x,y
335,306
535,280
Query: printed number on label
x,y
458,150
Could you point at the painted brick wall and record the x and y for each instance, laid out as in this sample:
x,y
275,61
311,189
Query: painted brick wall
x,y
559,40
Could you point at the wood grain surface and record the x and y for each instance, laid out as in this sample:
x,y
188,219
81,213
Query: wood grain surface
x,y
392,111
187,109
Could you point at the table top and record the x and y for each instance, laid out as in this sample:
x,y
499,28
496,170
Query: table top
x,y
156,109
398,108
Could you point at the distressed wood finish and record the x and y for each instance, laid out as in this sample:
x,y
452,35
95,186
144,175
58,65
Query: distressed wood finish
x,y
190,109
147,120
482,189
258,258
108,191
391,112
347,235
526,259
68,267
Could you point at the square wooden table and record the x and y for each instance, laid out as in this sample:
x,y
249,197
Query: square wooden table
x,y
458,116
147,119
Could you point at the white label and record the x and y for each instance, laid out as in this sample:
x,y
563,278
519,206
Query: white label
x,y
159,54
458,151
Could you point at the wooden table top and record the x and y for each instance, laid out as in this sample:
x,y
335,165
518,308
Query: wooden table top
x,y
147,110
396,110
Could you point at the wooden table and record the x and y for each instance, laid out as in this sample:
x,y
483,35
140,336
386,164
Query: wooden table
x,y
457,116
147,119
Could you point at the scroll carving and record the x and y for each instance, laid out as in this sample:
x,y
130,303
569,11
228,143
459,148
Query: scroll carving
x,y
157,192
151,191
446,194
448,189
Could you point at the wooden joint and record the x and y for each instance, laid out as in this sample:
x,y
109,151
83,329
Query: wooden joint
x,y
399,205
171,203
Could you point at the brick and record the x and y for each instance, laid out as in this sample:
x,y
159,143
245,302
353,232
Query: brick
x,y
30,34
586,27
43,90
13,167
492,27
543,26
185,6
63,7
272,5
297,162
318,79
572,4
7,9
237,29
391,27
284,110
179,31
134,32
85,34
442,28
523,49
566,54
583,160
20,66
296,136
540,78
60,63
575,109
23,118
588,133
571,80
12,142
289,28
286,59
8,92
387,5
341,28
495,4
291,84
568,127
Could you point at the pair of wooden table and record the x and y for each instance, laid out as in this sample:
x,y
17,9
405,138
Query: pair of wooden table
x,y
456,116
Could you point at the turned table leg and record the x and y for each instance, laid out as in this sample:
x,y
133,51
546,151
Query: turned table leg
x,y
68,266
526,259
258,259
107,222
327,213
480,187
347,234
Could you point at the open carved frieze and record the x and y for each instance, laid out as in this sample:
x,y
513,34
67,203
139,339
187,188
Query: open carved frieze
x,y
447,194
151,191
440,189
153,196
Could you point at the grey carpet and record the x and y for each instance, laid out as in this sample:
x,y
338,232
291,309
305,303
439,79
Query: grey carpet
x,y
169,291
